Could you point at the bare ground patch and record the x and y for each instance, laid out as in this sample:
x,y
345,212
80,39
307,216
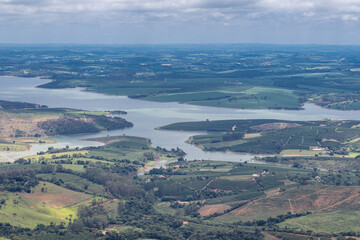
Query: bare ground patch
x,y
54,196
274,126
9,125
207,210
251,135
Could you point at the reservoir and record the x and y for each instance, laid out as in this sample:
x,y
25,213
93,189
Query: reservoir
x,y
146,116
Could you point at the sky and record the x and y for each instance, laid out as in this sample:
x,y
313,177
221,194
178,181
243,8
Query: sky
x,y
180,21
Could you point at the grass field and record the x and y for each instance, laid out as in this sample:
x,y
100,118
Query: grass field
x,y
74,167
301,152
338,221
15,144
51,195
49,156
74,180
46,203
25,212
7,147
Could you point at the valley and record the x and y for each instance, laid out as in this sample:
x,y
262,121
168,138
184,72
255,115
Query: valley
x,y
179,143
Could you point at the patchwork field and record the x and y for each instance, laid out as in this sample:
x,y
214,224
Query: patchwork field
x,y
49,156
51,195
326,203
30,210
324,144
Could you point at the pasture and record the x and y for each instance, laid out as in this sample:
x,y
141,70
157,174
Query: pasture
x,y
22,211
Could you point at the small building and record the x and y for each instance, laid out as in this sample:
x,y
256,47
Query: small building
x,y
317,148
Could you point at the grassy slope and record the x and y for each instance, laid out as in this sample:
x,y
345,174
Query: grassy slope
x,y
25,212
54,196
92,188
334,209
49,156
342,221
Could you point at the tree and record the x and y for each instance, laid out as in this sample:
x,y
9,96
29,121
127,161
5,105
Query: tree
x,y
149,155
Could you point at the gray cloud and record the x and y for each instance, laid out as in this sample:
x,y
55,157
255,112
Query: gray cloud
x,y
345,10
256,17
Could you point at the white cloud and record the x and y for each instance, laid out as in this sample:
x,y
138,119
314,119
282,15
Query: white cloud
x,y
350,17
286,5
223,12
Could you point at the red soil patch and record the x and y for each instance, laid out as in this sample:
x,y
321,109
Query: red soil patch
x,y
56,197
211,209
55,201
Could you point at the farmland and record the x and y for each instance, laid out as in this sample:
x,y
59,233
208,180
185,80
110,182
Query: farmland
x,y
20,211
316,199
324,140
54,196
234,76
63,186
96,188
251,195
307,187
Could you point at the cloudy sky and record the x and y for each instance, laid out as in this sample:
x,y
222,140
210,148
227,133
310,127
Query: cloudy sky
x,y
180,21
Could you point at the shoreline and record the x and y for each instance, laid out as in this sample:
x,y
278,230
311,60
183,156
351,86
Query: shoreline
x,y
26,144
140,99
231,156
45,78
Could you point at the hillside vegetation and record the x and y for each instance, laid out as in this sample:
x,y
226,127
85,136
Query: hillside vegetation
x,y
96,193
25,120
308,138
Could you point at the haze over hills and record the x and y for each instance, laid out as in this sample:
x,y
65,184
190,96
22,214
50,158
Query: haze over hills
x,y
194,119
170,21
127,188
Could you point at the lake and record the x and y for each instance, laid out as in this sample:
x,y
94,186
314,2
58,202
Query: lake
x,y
146,116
